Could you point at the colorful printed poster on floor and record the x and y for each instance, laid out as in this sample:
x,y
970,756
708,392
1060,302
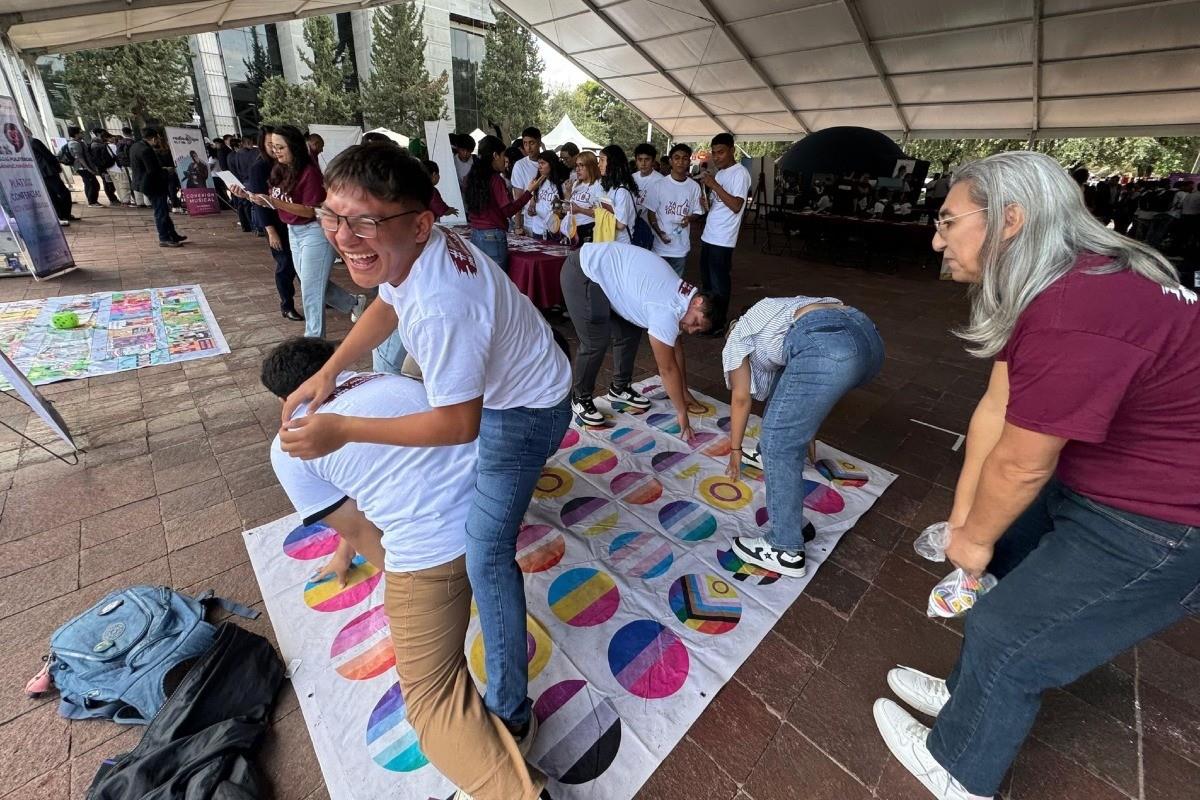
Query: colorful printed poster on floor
x,y
116,331
24,200
639,611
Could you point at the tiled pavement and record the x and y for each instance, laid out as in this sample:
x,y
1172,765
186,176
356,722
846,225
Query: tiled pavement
x,y
177,467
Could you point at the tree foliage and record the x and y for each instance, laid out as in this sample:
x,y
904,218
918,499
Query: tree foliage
x,y
510,77
257,62
602,117
400,94
1103,156
327,97
143,82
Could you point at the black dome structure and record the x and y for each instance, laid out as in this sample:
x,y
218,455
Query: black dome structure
x,y
842,150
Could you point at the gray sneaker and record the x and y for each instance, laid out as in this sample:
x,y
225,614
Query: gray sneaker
x,y
360,305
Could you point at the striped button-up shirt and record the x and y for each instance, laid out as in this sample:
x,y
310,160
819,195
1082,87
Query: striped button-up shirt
x,y
759,336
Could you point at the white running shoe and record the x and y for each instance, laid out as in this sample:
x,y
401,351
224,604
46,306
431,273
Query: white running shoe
x,y
585,410
925,693
360,305
905,737
761,553
752,458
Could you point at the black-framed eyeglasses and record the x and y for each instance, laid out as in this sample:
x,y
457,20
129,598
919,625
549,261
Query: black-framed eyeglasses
x,y
361,226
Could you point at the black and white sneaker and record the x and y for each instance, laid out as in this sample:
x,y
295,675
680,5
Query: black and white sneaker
x,y
752,458
629,396
761,554
585,410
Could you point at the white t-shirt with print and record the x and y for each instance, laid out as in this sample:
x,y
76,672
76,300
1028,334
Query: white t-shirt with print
x,y
472,332
584,195
624,209
722,225
645,183
546,195
461,168
640,286
524,171
673,201
417,496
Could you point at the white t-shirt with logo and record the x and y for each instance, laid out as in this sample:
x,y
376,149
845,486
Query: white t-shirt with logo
x,y
472,332
722,225
640,286
417,496
524,171
673,201
624,207
547,193
645,183
584,195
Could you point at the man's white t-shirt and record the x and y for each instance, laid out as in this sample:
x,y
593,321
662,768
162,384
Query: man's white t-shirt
x,y
417,496
624,209
472,332
584,195
640,286
462,168
645,183
524,171
721,227
673,201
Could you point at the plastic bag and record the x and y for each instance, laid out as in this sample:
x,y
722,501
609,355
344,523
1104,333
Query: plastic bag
x,y
957,593
932,542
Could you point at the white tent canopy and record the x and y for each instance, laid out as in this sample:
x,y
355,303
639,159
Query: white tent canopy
x,y
777,69
565,131
398,138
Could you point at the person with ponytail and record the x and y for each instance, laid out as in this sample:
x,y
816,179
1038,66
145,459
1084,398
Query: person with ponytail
x,y
489,205
547,202
618,190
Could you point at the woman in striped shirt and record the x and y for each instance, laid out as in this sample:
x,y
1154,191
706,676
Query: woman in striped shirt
x,y
800,354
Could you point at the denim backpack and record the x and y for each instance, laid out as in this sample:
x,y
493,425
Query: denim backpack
x,y
112,660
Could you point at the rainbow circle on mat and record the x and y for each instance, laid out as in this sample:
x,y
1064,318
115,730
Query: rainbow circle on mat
x,y
593,460
569,440
718,449
363,648
579,732
640,554
539,547
638,488
538,648
746,573
667,459
325,595
654,391
554,482
841,472
583,597
687,520
633,440
391,740
648,659
709,409
762,517
726,494
724,424
595,515
702,438
821,498
667,423
705,603
306,542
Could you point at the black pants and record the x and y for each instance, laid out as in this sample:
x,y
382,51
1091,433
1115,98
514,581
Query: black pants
x,y
245,214
91,187
162,218
285,270
716,264
110,191
595,323
60,197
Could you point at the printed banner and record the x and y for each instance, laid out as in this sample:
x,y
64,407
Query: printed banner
x,y
24,200
190,156
200,202
114,332
639,611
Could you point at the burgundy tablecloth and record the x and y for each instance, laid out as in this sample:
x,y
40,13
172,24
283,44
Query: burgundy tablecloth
x,y
534,267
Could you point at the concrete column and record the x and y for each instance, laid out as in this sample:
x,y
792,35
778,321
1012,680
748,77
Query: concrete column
x,y
212,85
437,50
360,22
291,40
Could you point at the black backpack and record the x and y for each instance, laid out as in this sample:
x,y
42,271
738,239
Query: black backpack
x,y
102,157
65,156
123,153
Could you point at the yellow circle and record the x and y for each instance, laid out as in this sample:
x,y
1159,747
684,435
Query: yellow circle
x,y
542,648
722,493
554,482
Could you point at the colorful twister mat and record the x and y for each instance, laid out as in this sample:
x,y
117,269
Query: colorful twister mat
x,y
638,610
115,331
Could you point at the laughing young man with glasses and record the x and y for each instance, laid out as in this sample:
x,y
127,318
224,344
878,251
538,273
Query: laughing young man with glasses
x,y
492,372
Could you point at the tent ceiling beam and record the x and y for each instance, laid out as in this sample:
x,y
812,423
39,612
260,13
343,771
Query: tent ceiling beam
x,y
873,55
1036,76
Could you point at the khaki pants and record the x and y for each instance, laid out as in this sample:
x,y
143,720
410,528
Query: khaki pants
x,y
428,611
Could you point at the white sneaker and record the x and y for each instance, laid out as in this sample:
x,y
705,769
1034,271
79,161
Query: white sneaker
x,y
925,693
905,737
360,305
585,410
752,458
761,553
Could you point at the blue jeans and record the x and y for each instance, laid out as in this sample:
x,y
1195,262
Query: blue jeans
x,y
162,217
829,352
389,356
677,263
494,243
514,444
313,255
1080,582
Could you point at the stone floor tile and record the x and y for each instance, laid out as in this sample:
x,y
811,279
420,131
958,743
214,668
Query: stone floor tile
x,y
186,475
735,729
1171,722
1161,666
897,783
38,584
900,577
1109,689
255,455
120,521
52,785
30,509
792,768
31,744
121,554
193,564
1168,776
288,761
250,435
83,767
1090,738
838,718
810,626
38,549
858,555
1042,773
1183,636
776,672
193,497
837,588
688,772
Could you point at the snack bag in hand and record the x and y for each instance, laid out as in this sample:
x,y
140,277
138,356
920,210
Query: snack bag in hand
x,y
956,593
